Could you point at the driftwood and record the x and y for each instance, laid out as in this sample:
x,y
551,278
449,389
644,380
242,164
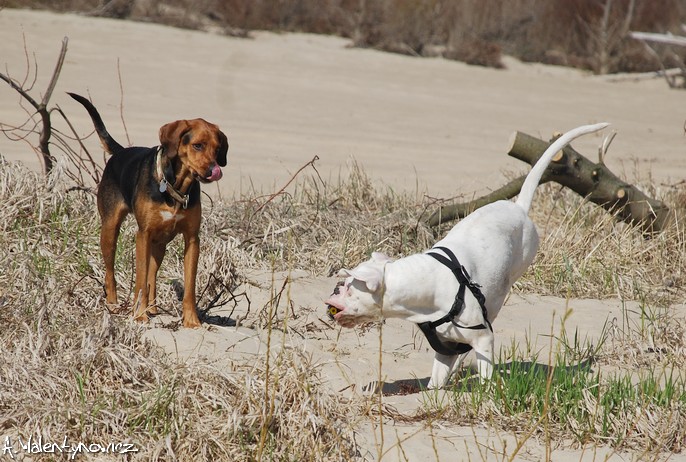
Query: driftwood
x,y
594,181
670,41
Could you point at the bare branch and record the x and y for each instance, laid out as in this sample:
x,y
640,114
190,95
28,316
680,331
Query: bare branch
x,y
453,212
595,182
56,72
667,39
18,88
121,104
78,165
280,191
602,149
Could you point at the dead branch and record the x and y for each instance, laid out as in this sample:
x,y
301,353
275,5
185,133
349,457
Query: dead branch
x,y
593,181
280,191
49,138
669,40
460,210
45,158
271,197
82,162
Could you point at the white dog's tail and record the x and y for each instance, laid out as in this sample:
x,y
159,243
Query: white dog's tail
x,y
526,195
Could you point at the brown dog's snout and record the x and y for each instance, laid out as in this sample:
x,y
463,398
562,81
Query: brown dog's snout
x,y
208,171
213,173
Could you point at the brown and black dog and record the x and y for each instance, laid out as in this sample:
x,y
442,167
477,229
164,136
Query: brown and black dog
x,y
160,186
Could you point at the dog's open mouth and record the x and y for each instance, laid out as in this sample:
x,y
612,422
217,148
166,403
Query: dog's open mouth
x,y
214,176
332,310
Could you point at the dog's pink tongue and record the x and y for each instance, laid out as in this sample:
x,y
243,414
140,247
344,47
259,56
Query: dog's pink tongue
x,y
216,174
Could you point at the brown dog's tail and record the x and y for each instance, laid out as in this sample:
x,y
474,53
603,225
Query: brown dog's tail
x,y
107,141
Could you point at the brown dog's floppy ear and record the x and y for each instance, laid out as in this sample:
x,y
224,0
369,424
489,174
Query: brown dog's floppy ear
x,y
223,149
170,136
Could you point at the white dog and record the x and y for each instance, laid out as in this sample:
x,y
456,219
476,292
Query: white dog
x,y
454,291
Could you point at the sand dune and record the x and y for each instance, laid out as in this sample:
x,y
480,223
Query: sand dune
x,y
426,126
431,125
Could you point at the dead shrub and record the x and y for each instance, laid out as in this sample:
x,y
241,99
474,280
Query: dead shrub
x,y
477,52
590,34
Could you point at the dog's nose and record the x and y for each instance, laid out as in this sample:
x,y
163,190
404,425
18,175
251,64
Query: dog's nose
x,y
213,173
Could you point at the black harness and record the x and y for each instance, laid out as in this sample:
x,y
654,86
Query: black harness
x,y
429,327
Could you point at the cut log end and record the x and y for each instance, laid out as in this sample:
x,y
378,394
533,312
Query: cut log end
x,y
513,140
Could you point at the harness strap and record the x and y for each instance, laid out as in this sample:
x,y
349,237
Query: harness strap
x,y
463,278
428,328
439,346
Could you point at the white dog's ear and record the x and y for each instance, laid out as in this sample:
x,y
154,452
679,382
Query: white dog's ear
x,y
371,276
381,257
343,273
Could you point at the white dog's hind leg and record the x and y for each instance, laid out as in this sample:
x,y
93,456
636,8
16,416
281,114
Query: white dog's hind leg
x,y
444,367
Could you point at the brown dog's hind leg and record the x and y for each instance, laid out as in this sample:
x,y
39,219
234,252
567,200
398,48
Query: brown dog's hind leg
x,y
109,233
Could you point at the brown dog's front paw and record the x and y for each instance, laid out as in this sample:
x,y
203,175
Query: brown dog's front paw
x,y
143,317
191,322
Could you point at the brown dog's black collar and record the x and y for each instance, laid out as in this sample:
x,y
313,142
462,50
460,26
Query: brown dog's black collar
x,y
165,185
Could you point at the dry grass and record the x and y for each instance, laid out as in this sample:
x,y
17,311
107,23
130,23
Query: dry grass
x,y
586,253
70,369
324,227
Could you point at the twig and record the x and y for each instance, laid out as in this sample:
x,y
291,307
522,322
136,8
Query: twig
x,y
280,191
56,72
94,170
121,103
602,149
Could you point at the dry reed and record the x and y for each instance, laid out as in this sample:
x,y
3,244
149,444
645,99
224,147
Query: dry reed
x,y
70,369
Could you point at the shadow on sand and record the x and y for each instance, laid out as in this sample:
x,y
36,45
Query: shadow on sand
x,y
465,378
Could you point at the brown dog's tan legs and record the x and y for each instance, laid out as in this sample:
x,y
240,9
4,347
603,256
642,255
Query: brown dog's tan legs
x,y
157,251
141,291
109,233
190,270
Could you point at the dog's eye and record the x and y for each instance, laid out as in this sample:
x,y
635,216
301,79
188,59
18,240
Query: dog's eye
x,y
198,146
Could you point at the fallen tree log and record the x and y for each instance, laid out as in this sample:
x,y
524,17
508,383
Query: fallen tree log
x,y
593,181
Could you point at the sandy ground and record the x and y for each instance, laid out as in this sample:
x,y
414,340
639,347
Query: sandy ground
x,y
427,126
